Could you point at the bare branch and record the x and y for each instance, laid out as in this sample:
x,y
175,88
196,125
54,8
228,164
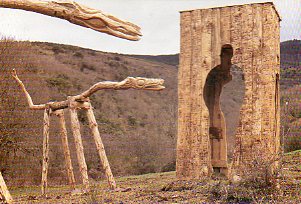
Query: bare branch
x,y
80,15
28,97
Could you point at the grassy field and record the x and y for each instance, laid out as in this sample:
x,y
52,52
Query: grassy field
x,y
164,188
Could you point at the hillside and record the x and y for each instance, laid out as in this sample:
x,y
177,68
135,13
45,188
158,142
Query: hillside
x,y
138,128
290,53
167,59
290,63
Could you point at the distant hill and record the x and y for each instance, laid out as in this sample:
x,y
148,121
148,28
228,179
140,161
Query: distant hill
x,y
167,59
290,63
290,53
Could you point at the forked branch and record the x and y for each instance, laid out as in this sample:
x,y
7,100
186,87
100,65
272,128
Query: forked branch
x,y
78,14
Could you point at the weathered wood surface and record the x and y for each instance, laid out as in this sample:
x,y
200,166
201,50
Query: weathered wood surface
x,y
80,15
64,137
139,83
183,148
253,32
100,147
46,123
4,193
78,143
27,95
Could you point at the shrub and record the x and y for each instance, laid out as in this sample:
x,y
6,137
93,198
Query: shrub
x,y
87,66
132,121
78,55
57,49
117,58
61,82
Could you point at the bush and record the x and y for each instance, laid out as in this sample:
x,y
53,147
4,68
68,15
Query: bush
x,y
61,82
78,55
261,170
57,49
292,142
87,66
132,121
169,167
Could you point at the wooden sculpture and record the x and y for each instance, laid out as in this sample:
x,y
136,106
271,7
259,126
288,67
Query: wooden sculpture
x,y
212,40
83,16
78,14
74,103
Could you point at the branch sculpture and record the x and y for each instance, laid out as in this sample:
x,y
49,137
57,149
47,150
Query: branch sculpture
x,y
128,83
74,103
80,15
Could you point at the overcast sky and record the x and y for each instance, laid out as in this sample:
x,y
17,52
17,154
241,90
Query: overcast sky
x,y
158,19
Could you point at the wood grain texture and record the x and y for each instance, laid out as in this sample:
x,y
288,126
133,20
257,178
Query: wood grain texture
x,y
75,125
80,15
183,142
65,145
253,32
100,147
46,123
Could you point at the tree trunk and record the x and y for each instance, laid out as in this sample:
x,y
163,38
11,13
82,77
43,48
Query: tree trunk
x,y
4,191
68,162
100,147
45,150
78,144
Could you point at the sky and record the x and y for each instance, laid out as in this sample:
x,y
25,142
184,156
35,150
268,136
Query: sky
x,y
159,21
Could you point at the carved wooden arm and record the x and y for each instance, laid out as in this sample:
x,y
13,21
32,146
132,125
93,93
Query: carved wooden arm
x,y
129,82
80,15
28,97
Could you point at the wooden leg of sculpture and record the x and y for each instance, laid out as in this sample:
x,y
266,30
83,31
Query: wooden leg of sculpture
x,y
45,150
100,147
4,191
79,146
64,137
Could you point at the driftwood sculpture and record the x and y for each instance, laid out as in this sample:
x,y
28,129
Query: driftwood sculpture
x,y
78,14
74,103
83,16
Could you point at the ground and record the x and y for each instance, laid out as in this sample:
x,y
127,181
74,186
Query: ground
x,y
163,188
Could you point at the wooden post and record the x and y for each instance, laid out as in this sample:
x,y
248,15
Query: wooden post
x,y
45,150
4,191
100,147
64,137
78,141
